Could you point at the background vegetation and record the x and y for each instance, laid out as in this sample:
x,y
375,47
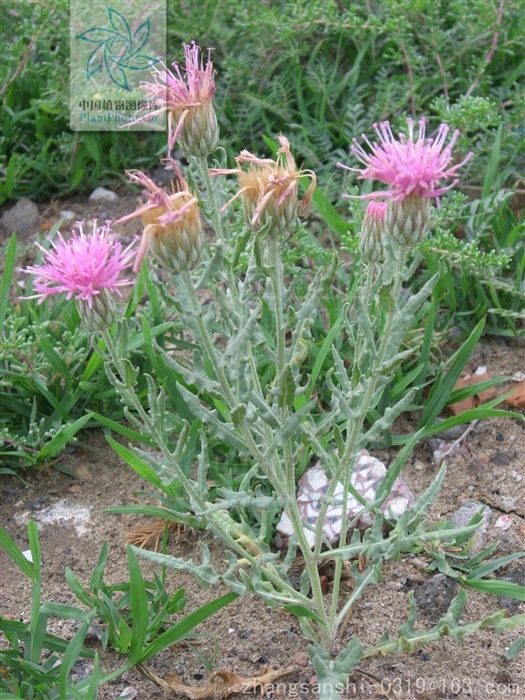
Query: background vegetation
x,y
322,71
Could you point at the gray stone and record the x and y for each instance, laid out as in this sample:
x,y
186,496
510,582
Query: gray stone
x,y
434,596
101,194
81,670
464,515
23,218
516,575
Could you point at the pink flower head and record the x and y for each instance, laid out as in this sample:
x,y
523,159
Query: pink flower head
x,y
82,267
376,212
408,166
186,98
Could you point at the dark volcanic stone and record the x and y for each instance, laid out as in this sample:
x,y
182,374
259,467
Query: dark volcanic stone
x,y
515,575
502,459
435,595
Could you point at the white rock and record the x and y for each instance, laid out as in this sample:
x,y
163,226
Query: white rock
x,y
504,522
68,215
101,194
60,513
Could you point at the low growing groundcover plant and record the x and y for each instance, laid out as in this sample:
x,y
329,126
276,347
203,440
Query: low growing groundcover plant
x,y
245,379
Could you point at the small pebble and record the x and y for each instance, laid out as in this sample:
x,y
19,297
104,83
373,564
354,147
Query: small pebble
x,y
68,214
504,522
259,659
301,659
101,194
128,693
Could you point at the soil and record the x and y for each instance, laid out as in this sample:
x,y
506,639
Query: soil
x,y
247,636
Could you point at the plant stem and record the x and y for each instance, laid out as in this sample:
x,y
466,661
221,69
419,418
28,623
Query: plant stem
x,y
276,273
214,209
293,596
355,426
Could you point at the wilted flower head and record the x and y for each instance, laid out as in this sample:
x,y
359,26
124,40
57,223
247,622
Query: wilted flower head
x,y
372,232
269,189
408,166
187,100
172,223
88,268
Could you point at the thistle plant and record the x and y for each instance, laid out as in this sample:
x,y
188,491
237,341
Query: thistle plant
x,y
271,419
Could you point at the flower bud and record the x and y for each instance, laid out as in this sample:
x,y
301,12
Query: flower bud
x,y
269,189
176,240
101,313
199,133
372,232
407,221
172,223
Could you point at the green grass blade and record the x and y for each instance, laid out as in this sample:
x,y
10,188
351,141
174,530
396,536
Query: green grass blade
x,y
66,612
479,413
424,355
72,653
97,577
514,649
16,555
92,689
57,444
77,587
301,400
443,388
489,567
493,164
178,631
55,361
145,471
139,607
495,587
5,283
